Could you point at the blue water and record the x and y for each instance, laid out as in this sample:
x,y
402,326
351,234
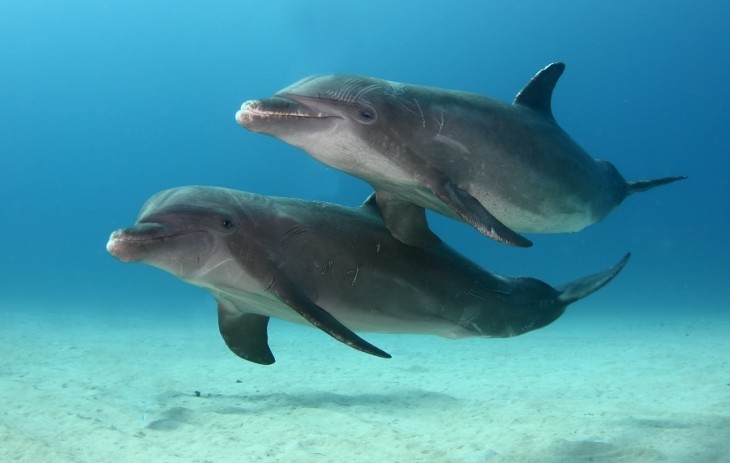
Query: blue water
x,y
105,103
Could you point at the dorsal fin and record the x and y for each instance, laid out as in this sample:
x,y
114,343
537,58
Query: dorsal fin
x,y
538,92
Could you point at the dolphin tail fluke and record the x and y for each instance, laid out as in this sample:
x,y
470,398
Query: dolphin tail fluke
x,y
582,287
643,185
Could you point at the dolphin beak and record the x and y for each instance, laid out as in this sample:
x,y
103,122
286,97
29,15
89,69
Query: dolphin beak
x,y
257,115
118,247
134,243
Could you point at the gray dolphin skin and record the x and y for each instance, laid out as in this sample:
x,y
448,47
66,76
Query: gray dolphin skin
x,y
503,168
333,267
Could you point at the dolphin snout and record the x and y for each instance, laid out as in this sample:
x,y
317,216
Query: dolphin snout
x,y
272,115
132,244
247,112
116,246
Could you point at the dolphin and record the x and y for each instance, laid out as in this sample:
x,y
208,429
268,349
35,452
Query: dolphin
x,y
503,168
333,267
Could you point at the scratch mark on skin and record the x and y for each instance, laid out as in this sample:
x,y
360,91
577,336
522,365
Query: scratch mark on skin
x,y
440,122
354,279
405,106
423,119
293,232
451,143
242,207
469,317
350,93
206,270
327,266
527,326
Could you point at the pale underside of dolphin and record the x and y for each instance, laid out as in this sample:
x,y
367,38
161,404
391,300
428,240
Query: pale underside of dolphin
x,y
333,267
503,168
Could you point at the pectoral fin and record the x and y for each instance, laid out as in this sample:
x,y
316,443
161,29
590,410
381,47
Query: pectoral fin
x,y
406,221
472,212
582,287
320,318
245,333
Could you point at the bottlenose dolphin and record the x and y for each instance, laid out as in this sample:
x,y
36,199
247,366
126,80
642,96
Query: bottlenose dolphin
x,y
503,168
337,268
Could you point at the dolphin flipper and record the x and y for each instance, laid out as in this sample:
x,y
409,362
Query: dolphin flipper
x,y
582,287
320,318
405,221
245,333
472,212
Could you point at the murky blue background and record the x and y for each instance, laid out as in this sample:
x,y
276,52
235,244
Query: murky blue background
x,y
102,104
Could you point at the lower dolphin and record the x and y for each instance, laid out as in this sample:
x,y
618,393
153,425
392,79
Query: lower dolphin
x,y
337,268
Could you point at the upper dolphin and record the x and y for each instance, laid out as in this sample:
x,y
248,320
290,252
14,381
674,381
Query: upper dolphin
x,y
336,268
503,168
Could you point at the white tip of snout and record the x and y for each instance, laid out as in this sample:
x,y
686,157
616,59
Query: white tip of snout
x,y
115,246
240,114
248,110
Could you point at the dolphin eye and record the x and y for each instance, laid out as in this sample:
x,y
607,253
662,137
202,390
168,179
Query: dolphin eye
x,y
228,224
366,115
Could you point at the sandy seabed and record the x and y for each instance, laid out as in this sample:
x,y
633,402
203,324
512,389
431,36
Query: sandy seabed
x,y
95,388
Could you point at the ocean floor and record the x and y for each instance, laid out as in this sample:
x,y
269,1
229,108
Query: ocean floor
x,y
88,387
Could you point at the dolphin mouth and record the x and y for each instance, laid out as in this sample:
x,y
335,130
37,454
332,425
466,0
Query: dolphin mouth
x,y
132,244
278,108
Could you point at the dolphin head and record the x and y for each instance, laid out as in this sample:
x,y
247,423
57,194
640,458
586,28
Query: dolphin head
x,y
317,103
185,231
338,119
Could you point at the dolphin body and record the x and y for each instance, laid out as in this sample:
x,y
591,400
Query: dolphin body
x,y
336,268
503,168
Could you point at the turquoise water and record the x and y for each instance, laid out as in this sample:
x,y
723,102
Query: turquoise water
x,y
107,103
